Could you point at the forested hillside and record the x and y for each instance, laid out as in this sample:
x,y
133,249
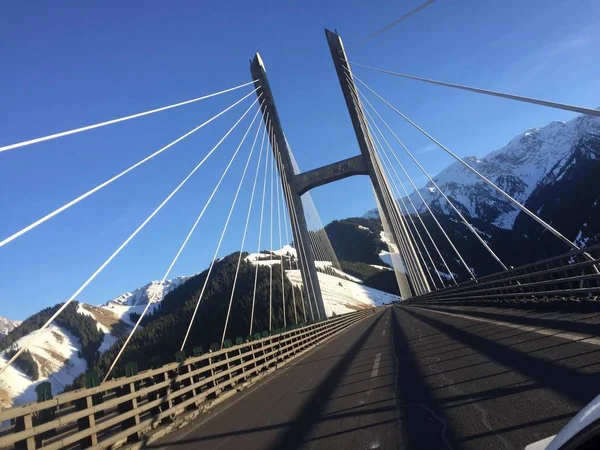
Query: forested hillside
x,y
164,330
356,239
81,326
377,278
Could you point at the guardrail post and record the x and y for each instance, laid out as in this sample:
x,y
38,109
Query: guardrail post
x,y
277,346
44,393
293,339
92,380
198,351
180,358
131,370
265,334
256,352
211,361
227,344
25,423
273,359
156,363
279,343
240,341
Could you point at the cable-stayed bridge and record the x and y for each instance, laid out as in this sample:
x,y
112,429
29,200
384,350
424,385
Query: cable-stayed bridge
x,y
449,367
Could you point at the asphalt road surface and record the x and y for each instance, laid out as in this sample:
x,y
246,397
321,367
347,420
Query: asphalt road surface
x,y
417,378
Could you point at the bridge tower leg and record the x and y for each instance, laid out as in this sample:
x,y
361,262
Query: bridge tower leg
x,y
391,214
296,210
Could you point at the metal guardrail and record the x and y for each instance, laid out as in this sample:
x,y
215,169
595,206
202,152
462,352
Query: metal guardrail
x,y
124,409
571,276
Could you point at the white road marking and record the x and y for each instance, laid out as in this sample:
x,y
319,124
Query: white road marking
x,y
364,400
383,333
587,338
375,370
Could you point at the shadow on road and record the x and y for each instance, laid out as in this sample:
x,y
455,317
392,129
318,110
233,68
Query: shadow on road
x,y
310,415
424,424
294,433
573,326
580,387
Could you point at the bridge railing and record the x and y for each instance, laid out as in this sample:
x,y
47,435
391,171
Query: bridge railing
x,y
573,275
124,409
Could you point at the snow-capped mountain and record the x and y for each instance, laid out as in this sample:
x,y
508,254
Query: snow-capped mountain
x,y
552,170
154,290
58,353
342,296
538,157
6,325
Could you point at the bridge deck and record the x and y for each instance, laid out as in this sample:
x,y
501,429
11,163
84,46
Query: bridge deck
x,y
418,379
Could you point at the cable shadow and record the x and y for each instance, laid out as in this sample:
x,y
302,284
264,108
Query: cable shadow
x,y
519,427
554,324
416,401
458,400
381,367
435,343
293,437
534,338
364,380
353,408
351,430
459,368
361,392
564,358
579,387
271,427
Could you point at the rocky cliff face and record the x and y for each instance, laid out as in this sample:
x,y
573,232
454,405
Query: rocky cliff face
x,y
534,160
553,170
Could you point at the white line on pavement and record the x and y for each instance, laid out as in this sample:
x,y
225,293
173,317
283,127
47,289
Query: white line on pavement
x,y
375,370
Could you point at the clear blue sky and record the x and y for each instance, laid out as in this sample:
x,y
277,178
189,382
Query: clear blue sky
x,y
68,64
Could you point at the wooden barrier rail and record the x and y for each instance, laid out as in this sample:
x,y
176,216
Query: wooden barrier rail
x,y
125,408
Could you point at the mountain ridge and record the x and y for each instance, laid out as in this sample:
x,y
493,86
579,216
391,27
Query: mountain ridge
x,y
143,294
561,162
537,157
6,325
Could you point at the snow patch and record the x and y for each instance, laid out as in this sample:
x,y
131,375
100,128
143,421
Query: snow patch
x,y
56,352
7,325
343,296
264,259
380,267
581,240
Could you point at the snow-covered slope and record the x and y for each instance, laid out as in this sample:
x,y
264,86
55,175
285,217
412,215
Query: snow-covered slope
x,y
264,259
536,157
342,296
56,351
6,325
153,290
